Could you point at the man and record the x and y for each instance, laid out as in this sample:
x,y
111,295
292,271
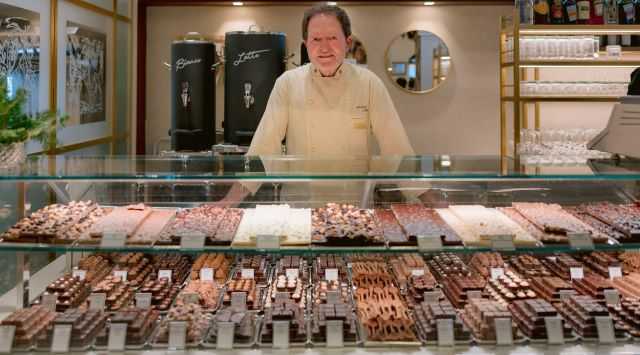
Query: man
x,y
328,107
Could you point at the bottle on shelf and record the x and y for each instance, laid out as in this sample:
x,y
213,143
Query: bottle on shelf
x,y
570,12
557,17
540,12
597,12
584,11
525,9
626,16
635,39
611,18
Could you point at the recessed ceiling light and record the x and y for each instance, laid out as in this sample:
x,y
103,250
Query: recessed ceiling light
x,y
237,3
429,3
332,3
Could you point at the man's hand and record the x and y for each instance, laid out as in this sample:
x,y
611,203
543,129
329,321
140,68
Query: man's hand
x,y
235,196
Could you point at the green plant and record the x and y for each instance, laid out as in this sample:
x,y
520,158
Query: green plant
x,y
17,126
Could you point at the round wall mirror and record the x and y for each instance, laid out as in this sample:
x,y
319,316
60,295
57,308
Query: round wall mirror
x,y
418,61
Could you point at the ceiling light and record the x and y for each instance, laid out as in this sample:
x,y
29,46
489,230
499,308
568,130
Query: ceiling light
x,y
429,3
237,3
332,3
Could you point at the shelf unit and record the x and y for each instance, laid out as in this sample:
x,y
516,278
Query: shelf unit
x,y
521,70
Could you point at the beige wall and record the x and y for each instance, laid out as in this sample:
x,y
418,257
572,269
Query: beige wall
x,y
461,117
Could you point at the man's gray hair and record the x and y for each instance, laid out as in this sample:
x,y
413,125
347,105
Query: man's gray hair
x,y
336,11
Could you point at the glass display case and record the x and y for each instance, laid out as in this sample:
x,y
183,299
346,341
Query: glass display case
x,y
111,253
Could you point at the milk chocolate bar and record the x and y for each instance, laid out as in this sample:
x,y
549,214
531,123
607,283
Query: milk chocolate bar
x,y
244,325
427,315
480,314
528,266
85,325
418,220
561,264
580,312
140,324
119,292
30,323
220,263
530,314
197,319
71,292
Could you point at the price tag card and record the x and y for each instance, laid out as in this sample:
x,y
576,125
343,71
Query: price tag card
x,y
247,274
281,334
191,297
7,333
445,332
143,300
606,335
239,300
80,274
122,274
615,271
49,302
474,294
97,301
429,243
117,336
502,242
207,274
580,241
504,331
612,297
281,296
333,297
496,272
331,274
564,294
192,241
335,335
177,335
267,241
165,274
225,336
555,332
576,273
113,240
61,338
432,296
292,273
417,272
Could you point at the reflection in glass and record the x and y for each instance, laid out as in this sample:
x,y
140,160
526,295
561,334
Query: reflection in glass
x,y
20,52
418,61
357,54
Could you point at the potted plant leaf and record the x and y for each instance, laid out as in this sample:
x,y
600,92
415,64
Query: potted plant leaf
x,y
18,127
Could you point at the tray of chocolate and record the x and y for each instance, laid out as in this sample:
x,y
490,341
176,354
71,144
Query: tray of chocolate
x,y
255,293
122,220
140,326
29,323
444,265
325,308
561,264
149,230
594,286
178,264
413,276
530,316
203,220
528,266
292,266
96,268
79,231
119,294
416,220
427,315
197,321
51,223
291,225
623,218
599,262
326,261
391,229
627,316
509,287
581,213
383,314
460,289
208,294
288,310
85,325
532,229
630,261
480,314
70,292
551,288
345,225
482,263
260,264
162,291
245,332
628,286
218,262
581,312
137,265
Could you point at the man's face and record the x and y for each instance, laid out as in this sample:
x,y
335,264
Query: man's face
x,y
326,43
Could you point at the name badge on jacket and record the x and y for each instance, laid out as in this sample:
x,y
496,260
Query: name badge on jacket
x,y
360,117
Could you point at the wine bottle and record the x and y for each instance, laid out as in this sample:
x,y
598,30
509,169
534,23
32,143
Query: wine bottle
x,y
627,16
570,12
556,12
611,18
584,11
541,12
597,12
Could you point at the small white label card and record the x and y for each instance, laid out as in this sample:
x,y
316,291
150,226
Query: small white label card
x,y
122,274
292,273
432,296
207,274
555,332
331,274
61,338
247,274
225,336
445,332
564,294
117,336
191,297
615,271
7,333
429,243
281,296
165,274
97,301
474,294
239,300
267,241
143,300
580,240
192,241
577,273
281,334
606,335
502,242
504,331
335,336
612,297
417,272
78,273
177,335
333,297
49,302
113,240
496,272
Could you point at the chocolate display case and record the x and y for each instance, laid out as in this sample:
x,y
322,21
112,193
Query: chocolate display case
x,y
391,249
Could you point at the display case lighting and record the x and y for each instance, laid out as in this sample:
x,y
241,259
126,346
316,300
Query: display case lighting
x,y
332,3
237,3
429,3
